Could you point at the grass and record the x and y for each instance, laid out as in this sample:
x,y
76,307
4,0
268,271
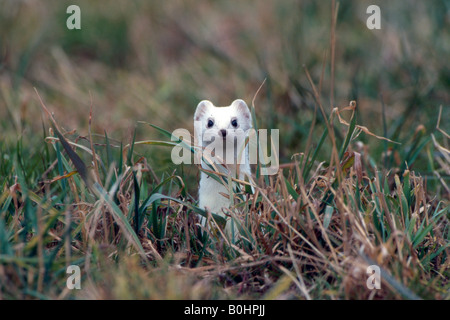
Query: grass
x,y
361,183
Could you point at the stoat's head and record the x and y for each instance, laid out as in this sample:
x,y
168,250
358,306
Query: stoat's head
x,y
222,120
227,127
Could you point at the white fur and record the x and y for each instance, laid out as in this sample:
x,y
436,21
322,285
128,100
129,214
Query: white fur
x,y
210,189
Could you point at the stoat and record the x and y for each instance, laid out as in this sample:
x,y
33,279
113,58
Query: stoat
x,y
221,134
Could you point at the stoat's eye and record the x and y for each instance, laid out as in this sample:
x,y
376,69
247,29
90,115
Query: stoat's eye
x,y
210,123
234,122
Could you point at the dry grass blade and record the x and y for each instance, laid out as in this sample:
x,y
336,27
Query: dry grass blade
x,y
76,160
352,107
439,122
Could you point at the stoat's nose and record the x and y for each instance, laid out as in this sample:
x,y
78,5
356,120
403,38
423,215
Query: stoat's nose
x,y
223,133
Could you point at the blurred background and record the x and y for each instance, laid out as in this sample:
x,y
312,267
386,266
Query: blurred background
x,y
153,61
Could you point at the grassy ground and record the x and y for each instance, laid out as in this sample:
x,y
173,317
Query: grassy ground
x,y
91,184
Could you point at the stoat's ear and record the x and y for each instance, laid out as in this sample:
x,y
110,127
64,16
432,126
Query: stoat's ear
x,y
242,108
202,108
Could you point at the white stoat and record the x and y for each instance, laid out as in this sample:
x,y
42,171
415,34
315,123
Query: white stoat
x,y
229,126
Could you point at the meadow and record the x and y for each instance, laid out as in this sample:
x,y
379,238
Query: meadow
x,y
86,176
